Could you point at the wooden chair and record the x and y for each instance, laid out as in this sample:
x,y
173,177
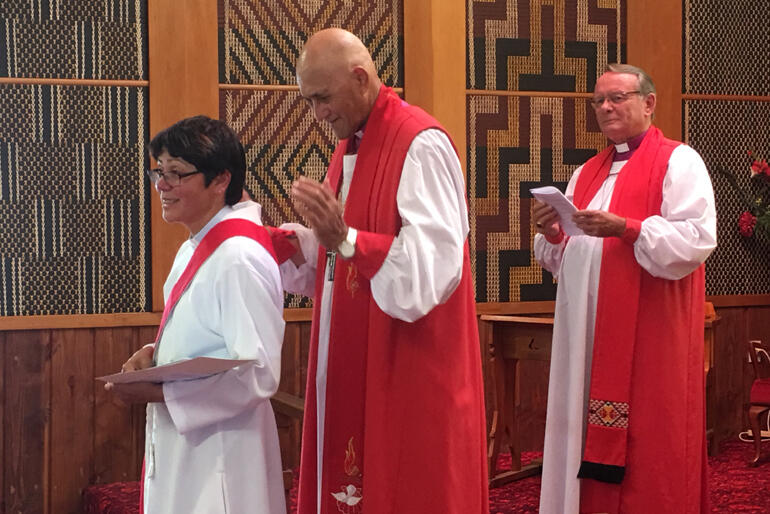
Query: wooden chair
x,y
759,398
293,407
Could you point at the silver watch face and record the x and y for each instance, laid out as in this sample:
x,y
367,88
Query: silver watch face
x,y
346,249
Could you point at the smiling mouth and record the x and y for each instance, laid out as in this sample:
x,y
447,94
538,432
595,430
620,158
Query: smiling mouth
x,y
165,202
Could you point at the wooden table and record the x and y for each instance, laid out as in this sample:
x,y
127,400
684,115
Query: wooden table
x,y
516,338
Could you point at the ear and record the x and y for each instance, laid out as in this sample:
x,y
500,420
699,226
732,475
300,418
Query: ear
x,y
649,104
361,77
221,181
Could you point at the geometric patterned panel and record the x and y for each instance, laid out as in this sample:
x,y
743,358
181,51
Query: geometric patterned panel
x,y
282,142
259,41
727,47
514,144
74,200
722,132
518,45
87,39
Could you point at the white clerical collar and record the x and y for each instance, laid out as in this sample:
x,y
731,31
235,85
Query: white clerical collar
x,y
622,147
198,237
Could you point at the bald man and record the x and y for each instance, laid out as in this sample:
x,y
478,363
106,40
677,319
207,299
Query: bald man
x,y
394,414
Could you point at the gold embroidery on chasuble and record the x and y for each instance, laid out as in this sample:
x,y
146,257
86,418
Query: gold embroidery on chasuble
x,y
350,496
351,280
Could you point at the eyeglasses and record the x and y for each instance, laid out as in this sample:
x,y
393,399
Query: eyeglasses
x,y
615,98
172,178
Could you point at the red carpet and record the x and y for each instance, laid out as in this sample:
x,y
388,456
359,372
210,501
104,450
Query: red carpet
x,y
735,487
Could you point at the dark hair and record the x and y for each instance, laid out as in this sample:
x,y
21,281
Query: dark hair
x,y
209,145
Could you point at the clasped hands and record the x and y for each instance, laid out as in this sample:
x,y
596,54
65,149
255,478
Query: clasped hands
x,y
593,223
137,392
321,209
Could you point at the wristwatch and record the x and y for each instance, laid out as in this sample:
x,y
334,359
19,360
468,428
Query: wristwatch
x,y
347,247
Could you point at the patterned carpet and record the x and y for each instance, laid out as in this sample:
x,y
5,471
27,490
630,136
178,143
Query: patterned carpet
x,y
735,487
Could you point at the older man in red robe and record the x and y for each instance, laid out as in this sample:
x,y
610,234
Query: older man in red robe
x,y
394,418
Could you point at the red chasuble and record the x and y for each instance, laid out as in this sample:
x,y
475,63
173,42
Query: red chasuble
x,y
645,442
404,424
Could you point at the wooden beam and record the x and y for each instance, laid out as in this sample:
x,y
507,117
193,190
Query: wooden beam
x,y
184,78
654,33
127,319
434,63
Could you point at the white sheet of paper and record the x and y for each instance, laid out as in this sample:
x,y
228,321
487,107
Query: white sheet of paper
x,y
556,199
198,367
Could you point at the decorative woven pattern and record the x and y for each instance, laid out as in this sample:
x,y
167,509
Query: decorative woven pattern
x,y
560,45
514,144
722,132
94,39
608,414
282,142
74,202
727,48
259,41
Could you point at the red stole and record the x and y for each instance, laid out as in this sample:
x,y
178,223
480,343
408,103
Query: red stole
x,y
637,195
404,401
214,237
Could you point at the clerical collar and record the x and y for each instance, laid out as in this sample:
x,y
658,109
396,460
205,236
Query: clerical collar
x,y
624,151
355,142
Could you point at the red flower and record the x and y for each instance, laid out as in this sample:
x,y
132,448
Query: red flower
x,y
756,168
746,224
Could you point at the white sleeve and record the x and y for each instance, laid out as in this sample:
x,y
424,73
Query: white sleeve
x,y
301,279
423,266
548,254
674,244
248,301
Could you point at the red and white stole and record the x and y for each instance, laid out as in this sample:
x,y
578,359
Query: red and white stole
x,y
638,194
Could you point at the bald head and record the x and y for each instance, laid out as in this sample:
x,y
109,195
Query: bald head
x,y
337,77
335,49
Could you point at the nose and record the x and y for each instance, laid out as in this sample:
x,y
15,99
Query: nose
x,y
320,110
162,185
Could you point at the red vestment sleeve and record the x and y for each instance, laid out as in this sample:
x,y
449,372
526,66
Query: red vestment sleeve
x,y
633,228
282,243
371,250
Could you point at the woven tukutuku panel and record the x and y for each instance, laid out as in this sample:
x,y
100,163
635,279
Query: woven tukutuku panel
x,y
74,200
722,132
514,144
259,41
282,142
727,47
87,39
519,45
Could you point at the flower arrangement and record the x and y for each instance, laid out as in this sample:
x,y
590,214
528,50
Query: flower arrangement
x,y
755,219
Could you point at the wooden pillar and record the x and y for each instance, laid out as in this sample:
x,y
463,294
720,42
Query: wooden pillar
x,y
654,32
184,81
434,63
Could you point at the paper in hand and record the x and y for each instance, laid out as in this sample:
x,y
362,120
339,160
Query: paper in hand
x,y
565,208
188,369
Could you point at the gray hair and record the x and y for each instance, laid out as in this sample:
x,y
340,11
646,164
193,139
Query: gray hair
x,y
646,85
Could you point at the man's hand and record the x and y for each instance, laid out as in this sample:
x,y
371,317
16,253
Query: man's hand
x,y
600,223
141,359
136,392
323,213
546,219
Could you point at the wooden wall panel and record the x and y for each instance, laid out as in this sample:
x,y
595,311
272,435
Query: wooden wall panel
x,y
183,82
72,415
114,446
655,44
27,428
